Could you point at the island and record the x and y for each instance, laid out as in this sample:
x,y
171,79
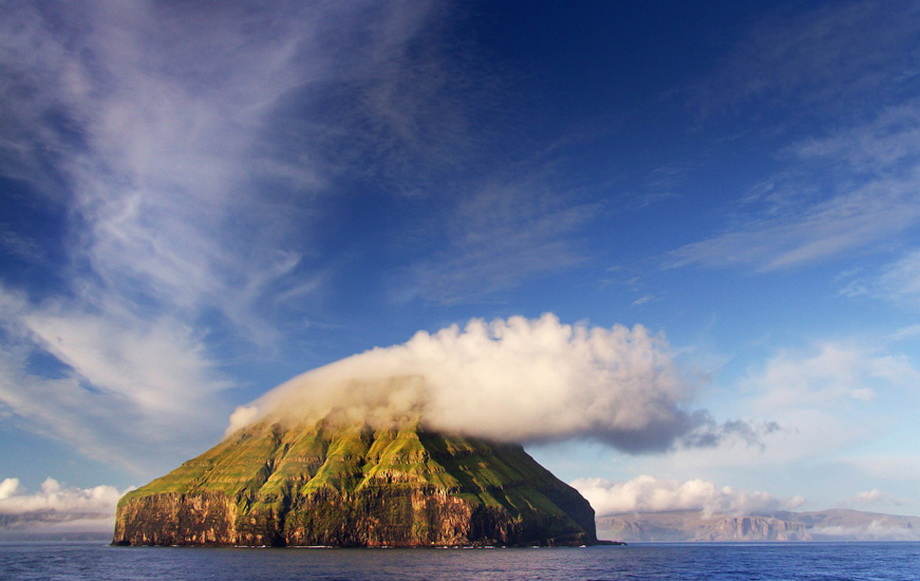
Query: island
x,y
328,483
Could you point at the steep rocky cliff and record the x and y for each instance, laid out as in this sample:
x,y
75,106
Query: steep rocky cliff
x,y
328,484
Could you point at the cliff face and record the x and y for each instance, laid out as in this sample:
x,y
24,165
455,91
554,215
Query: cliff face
x,y
353,486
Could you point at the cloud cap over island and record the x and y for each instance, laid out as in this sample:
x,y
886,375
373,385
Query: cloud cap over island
x,y
514,379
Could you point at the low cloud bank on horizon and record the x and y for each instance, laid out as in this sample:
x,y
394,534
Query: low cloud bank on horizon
x,y
57,507
649,494
515,379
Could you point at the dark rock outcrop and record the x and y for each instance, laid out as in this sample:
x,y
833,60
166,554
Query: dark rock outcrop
x,y
326,484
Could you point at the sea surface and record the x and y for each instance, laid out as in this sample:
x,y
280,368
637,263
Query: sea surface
x,y
775,561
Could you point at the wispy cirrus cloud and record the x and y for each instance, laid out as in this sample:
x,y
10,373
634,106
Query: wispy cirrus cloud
x,y
900,281
499,236
804,63
114,386
157,122
843,192
183,148
843,181
897,282
832,375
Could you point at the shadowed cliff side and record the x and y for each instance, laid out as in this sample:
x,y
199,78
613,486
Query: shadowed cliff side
x,y
328,484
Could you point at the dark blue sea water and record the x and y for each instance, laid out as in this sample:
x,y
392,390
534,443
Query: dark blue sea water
x,y
804,561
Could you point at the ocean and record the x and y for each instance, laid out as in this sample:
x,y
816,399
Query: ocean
x,y
65,561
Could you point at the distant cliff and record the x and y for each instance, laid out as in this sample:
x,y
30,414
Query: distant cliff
x,y
325,484
784,526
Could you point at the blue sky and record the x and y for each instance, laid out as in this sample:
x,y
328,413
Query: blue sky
x,y
199,201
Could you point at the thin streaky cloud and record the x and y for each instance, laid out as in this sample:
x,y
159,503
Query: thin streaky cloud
x,y
874,196
806,64
500,236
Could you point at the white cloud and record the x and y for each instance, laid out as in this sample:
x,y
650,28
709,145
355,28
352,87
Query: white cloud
x,y
873,495
830,378
88,508
649,494
8,487
54,496
514,379
879,500
120,385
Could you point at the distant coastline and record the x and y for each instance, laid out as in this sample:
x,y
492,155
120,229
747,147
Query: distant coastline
x,y
780,526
